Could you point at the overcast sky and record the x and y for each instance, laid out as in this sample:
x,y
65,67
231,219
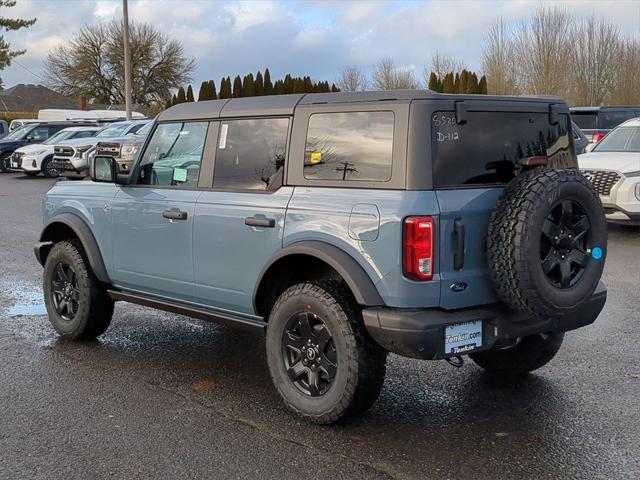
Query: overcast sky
x,y
314,38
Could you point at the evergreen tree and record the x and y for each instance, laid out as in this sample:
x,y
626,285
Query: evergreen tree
x,y
268,86
447,84
170,102
190,94
9,25
472,85
212,90
464,81
456,84
203,93
278,87
308,85
248,86
287,84
181,97
482,86
334,88
259,84
237,87
433,82
225,88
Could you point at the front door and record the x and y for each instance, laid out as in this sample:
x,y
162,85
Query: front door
x,y
153,218
240,222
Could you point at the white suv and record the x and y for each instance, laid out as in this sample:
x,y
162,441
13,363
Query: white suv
x,y
35,158
613,166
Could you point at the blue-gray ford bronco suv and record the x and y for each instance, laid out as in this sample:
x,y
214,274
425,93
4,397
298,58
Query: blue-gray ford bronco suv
x,y
345,226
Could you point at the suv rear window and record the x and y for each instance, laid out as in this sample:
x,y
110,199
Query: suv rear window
x,y
487,148
608,119
585,120
350,146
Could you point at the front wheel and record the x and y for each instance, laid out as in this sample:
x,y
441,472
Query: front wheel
x,y
321,360
4,162
77,302
48,168
529,354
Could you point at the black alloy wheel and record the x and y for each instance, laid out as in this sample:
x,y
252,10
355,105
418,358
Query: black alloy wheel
x,y
563,244
65,291
49,169
309,354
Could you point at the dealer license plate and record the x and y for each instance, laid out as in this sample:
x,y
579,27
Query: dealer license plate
x,y
462,337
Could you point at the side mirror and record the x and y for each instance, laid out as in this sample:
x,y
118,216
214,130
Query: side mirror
x,y
103,169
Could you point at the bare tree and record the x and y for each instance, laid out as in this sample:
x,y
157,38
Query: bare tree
x,y
352,79
498,60
595,61
626,90
386,76
92,64
543,52
441,65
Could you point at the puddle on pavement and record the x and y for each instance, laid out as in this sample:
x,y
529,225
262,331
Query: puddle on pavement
x,y
18,310
26,297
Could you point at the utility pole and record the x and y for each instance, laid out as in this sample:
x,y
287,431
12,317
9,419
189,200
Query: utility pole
x,y
127,60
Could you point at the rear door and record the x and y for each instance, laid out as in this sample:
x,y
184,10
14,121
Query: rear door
x,y
472,162
239,223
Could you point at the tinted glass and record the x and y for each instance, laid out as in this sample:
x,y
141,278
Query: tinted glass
x,y
349,146
608,119
622,139
251,154
18,134
490,147
173,155
114,130
61,135
84,134
586,121
40,134
136,128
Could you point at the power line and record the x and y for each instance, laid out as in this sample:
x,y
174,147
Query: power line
x,y
28,70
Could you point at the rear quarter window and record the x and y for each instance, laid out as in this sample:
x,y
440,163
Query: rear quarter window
x,y
609,119
349,146
585,120
489,147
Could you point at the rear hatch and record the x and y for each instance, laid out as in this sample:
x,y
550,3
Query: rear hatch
x,y
475,153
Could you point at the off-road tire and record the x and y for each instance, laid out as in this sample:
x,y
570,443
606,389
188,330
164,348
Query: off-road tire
x,y
95,308
361,363
46,171
514,241
529,354
4,162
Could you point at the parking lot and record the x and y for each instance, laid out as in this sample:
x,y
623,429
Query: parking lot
x,y
161,395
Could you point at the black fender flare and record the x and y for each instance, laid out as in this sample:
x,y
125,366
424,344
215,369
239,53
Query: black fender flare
x,y
363,288
83,232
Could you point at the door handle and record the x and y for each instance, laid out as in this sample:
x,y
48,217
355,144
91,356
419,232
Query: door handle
x,y
174,214
458,233
260,221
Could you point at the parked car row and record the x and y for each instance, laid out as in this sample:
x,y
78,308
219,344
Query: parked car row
x,y
63,147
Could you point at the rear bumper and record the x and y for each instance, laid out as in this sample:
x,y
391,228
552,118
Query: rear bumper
x,y
420,333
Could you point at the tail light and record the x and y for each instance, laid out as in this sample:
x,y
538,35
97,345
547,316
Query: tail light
x,y
597,137
418,248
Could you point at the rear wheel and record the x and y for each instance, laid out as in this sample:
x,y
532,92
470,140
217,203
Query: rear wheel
x,y
529,354
48,168
77,302
321,360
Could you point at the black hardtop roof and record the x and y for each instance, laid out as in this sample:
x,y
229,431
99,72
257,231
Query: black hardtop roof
x,y
272,105
604,107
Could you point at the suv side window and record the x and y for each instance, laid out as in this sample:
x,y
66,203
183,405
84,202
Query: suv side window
x,y
84,134
41,133
173,155
250,154
349,146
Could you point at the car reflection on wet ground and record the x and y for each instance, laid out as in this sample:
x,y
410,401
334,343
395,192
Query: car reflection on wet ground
x,y
160,395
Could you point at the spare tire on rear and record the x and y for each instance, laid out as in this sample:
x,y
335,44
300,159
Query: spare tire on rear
x,y
547,241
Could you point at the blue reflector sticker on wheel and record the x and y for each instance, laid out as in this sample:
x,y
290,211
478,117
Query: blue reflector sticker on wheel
x,y
596,253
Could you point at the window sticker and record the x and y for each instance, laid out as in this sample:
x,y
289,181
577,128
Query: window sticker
x,y
180,175
316,158
223,136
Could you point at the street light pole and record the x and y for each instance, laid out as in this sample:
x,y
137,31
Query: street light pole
x,y
127,60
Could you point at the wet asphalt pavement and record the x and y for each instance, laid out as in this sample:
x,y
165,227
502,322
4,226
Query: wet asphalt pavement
x,y
164,396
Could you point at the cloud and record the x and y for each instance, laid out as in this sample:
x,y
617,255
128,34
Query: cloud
x,y
314,38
